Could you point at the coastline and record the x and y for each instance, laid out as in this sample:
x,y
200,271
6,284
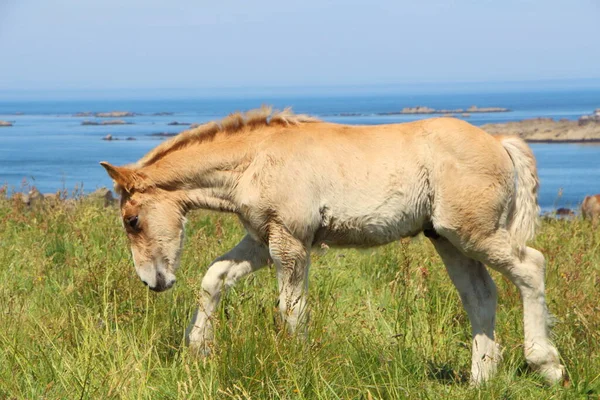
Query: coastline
x,y
32,199
547,130
563,141
586,129
423,110
35,148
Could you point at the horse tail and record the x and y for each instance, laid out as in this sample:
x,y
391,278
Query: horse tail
x,y
524,213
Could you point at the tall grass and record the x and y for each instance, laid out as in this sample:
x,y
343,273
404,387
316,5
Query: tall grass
x,y
76,322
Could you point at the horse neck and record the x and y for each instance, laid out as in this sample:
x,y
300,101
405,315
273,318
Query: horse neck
x,y
205,175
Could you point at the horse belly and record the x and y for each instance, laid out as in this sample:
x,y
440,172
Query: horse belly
x,y
369,230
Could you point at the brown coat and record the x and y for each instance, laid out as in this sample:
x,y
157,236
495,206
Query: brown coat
x,y
296,183
590,208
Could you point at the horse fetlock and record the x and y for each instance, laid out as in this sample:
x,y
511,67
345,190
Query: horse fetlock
x,y
202,348
552,373
541,352
200,337
199,342
482,372
543,357
485,365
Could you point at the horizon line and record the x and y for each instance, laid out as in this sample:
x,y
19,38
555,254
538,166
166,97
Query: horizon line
x,y
365,85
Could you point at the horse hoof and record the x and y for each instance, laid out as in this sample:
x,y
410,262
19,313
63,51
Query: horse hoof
x,y
554,374
199,349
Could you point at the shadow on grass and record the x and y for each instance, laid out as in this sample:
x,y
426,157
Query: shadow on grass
x,y
446,374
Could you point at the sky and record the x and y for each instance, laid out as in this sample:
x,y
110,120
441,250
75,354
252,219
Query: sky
x,y
142,44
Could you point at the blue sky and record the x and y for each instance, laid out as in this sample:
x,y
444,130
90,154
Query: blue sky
x,y
111,44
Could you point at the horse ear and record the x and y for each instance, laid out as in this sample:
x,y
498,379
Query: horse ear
x,y
127,178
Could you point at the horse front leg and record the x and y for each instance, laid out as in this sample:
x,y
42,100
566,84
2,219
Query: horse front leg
x,y
248,256
292,259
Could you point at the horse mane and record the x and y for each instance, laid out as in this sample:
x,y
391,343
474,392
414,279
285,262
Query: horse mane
x,y
233,123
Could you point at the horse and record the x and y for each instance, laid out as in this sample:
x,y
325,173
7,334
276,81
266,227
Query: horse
x,y
298,183
590,208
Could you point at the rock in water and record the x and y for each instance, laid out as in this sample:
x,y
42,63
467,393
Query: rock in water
x,y
176,123
102,196
115,114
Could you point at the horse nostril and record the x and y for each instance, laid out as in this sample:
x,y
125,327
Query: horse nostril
x,y
145,283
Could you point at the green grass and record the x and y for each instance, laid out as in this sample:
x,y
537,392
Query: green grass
x,y
76,322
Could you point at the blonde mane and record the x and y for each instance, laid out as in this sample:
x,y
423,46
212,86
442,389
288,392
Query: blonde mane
x,y
233,123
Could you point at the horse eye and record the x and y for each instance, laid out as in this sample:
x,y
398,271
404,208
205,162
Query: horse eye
x,y
133,222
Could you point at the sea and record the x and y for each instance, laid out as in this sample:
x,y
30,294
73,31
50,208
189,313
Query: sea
x,y
49,148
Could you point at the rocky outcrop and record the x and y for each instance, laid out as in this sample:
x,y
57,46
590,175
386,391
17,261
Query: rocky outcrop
x,y
416,110
175,123
429,110
109,122
423,110
102,196
475,109
5,123
34,198
115,114
549,130
565,212
590,119
110,114
164,134
110,137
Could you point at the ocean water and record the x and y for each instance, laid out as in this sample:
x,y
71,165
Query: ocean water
x,y
49,148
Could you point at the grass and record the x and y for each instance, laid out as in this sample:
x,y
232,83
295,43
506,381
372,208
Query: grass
x,y
76,322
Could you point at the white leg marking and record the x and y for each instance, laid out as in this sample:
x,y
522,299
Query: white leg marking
x,y
478,294
528,276
248,256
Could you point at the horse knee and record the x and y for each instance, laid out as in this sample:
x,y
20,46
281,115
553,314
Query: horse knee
x,y
212,282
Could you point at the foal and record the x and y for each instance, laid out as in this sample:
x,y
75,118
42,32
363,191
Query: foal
x,y
296,182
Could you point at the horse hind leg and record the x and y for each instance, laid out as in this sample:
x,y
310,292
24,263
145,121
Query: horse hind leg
x,y
528,275
478,294
526,271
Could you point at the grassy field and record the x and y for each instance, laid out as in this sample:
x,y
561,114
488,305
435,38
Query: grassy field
x,y
76,322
